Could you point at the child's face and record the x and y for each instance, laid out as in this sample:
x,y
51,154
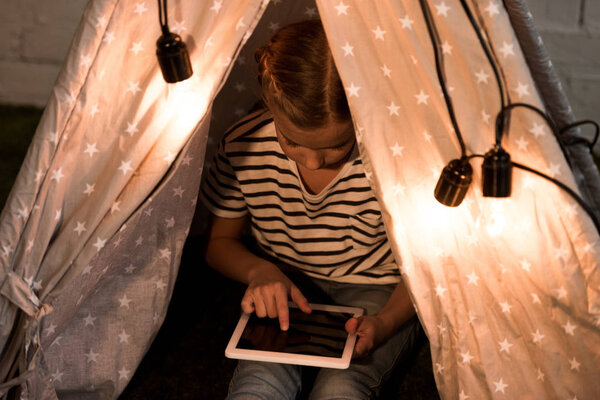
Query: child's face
x,y
319,148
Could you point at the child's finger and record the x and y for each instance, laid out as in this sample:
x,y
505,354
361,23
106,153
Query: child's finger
x,y
282,310
247,304
299,299
351,325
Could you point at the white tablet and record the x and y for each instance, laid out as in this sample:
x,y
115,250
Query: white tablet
x,y
317,339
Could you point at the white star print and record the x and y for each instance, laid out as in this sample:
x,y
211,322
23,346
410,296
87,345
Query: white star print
x,y
130,269
439,368
505,307
485,116
240,24
406,22
115,206
80,228
178,191
537,336
379,33
140,8
422,97
540,375
165,253
342,8
186,160
310,11
442,9
124,373
466,357
50,329
124,301
348,50
462,395
386,71
123,337
537,130
473,278
170,222
89,320
99,243
554,170
91,149
561,253
86,270
526,265
273,26
139,241
57,175
179,27
125,167
507,49
89,189
169,157
57,376
94,110
561,293
574,364
217,4
108,37
136,48
131,128
522,144
441,328
427,136
133,87
240,87
393,108
91,356
482,77
148,211
535,298
398,189
500,386
440,291
397,150
492,9
446,48
160,284
569,328
85,61
522,90
505,346
353,90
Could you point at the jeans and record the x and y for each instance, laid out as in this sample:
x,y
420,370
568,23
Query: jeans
x,y
362,380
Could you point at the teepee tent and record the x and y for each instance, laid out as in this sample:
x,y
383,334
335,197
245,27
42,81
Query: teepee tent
x,y
507,290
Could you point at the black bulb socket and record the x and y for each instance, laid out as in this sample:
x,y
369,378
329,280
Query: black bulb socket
x,y
173,58
496,173
454,182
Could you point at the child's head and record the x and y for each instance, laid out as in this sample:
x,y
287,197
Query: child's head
x,y
302,88
297,74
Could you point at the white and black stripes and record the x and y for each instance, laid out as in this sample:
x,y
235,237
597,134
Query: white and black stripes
x,y
337,234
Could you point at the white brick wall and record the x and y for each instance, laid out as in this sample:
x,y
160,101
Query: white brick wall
x,y
35,36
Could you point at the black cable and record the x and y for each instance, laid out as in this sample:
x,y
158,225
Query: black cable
x,y
589,143
162,14
439,66
501,87
567,189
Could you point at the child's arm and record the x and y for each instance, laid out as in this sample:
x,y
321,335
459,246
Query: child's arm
x,y
373,330
268,288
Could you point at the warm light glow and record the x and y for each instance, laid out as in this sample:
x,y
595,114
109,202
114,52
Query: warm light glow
x,y
185,104
496,219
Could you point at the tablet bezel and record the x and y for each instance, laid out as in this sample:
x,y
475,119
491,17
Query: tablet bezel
x,y
232,351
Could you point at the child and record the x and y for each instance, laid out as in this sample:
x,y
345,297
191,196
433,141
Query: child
x,y
294,173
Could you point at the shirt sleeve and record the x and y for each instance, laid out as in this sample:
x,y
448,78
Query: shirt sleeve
x,y
221,192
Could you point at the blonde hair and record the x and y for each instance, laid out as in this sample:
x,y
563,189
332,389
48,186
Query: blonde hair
x,y
297,74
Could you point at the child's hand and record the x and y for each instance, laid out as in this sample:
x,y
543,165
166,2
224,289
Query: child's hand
x,y
370,330
268,292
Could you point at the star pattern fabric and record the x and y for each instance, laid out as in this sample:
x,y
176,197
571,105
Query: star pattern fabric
x,y
94,227
507,291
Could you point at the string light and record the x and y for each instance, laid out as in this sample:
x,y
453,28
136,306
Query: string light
x,y
172,53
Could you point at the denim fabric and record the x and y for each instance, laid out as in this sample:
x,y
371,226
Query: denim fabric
x,y
362,380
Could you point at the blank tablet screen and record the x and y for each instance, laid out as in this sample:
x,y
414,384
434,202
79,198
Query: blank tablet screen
x,y
320,333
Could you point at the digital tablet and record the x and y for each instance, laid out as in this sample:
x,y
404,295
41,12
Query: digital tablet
x,y
317,339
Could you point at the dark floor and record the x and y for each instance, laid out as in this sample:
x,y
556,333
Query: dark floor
x,y
186,360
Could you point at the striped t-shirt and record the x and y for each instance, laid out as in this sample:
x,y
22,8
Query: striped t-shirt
x,y
337,234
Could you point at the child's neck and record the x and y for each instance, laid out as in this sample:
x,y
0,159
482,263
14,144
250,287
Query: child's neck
x,y
315,181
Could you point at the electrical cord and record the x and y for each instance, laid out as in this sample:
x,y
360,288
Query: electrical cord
x,y
162,14
504,113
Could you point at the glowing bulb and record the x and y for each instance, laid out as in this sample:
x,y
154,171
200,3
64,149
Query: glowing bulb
x,y
496,219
